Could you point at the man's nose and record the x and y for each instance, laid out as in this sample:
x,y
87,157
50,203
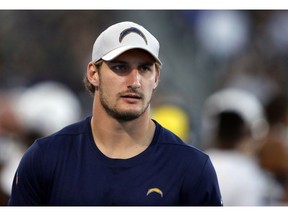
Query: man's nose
x,y
134,78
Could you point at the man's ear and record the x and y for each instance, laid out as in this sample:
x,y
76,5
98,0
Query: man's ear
x,y
157,78
92,74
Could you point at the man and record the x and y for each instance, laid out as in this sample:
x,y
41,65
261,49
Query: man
x,y
119,155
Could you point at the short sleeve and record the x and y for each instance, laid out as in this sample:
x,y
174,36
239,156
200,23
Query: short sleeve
x,y
27,187
206,191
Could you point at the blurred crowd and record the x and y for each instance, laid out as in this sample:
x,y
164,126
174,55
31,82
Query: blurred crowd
x,y
27,114
223,88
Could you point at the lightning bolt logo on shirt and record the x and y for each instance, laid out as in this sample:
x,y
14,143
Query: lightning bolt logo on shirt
x,y
154,190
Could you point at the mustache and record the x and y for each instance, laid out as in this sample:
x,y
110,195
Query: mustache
x,y
131,93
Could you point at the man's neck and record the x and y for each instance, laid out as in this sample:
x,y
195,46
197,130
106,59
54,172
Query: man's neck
x,y
122,140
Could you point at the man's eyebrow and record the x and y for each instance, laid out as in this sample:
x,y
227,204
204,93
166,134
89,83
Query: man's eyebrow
x,y
125,62
117,61
148,63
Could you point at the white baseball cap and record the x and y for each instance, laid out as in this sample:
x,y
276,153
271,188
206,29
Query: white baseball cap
x,y
121,37
46,107
242,102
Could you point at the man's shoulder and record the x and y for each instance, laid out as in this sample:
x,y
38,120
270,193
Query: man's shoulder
x,y
69,132
171,141
75,128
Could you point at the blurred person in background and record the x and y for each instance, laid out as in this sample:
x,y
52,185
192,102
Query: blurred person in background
x,y
236,127
29,113
274,153
9,127
118,155
174,118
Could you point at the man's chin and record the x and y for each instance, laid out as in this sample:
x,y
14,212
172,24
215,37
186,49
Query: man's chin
x,y
127,116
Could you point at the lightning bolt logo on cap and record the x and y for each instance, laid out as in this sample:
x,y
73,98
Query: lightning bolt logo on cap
x,y
132,30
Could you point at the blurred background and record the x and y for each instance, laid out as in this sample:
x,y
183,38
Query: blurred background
x,y
44,55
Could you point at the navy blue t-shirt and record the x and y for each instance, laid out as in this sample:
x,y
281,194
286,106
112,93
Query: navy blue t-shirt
x,y
67,169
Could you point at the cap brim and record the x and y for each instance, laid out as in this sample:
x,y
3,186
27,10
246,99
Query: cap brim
x,y
116,52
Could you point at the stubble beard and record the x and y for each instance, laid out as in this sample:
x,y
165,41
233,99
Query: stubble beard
x,y
118,114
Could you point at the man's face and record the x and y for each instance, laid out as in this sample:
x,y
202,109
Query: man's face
x,y
126,84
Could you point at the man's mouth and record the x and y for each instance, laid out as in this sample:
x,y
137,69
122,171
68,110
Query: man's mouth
x,y
134,96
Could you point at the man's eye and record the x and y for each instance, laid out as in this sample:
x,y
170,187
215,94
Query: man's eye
x,y
120,68
145,68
